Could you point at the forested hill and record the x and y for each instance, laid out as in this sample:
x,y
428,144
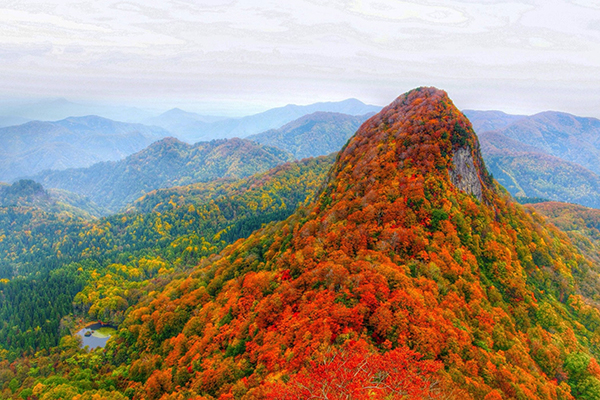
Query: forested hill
x,y
30,194
312,135
412,273
526,172
582,226
69,143
23,193
56,262
283,187
168,162
551,155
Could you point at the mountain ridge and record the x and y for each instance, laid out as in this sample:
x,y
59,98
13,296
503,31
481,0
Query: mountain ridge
x,y
312,135
196,127
490,120
551,154
572,138
167,162
72,142
59,108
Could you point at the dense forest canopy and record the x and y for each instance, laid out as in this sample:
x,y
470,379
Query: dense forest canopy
x,y
399,270
54,265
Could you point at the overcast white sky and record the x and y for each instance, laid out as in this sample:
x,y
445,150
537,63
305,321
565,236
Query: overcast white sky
x,y
221,56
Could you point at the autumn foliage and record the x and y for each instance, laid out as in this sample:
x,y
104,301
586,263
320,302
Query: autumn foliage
x,y
394,276
354,372
392,253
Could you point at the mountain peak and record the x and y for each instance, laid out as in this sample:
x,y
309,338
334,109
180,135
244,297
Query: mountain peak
x,y
419,136
86,119
177,112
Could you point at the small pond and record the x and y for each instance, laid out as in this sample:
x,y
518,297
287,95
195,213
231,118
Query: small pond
x,y
96,335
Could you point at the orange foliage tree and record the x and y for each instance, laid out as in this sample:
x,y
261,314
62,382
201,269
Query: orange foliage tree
x,y
356,373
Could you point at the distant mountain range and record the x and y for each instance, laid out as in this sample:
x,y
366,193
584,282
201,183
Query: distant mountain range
x,y
10,121
108,186
72,142
27,148
562,135
187,126
168,162
183,123
192,127
550,155
490,120
313,135
55,109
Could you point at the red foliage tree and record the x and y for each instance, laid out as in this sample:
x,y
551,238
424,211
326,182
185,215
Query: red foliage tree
x,y
356,373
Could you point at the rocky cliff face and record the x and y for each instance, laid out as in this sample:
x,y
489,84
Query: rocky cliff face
x,y
464,174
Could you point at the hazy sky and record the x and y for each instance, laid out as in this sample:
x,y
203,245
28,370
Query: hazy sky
x,y
214,55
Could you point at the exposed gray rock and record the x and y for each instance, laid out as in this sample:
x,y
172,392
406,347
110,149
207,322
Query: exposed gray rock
x,y
464,174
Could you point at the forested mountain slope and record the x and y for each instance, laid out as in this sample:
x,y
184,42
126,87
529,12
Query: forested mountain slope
x,y
168,162
526,172
582,224
280,188
410,245
63,268
27,193
549,155
312,135
69,143
22,193
562,135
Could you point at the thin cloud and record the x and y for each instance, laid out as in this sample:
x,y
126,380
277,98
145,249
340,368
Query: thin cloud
x,y
485,53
